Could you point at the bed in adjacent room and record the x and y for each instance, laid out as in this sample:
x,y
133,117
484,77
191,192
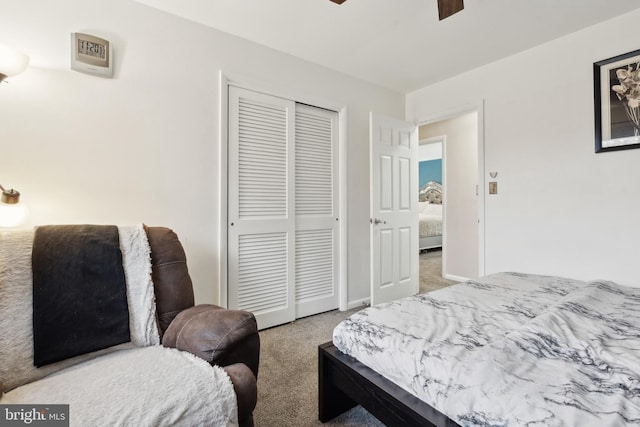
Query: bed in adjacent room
x,y
430,216
508,349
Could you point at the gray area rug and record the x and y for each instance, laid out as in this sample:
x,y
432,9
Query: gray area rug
x,y
288,378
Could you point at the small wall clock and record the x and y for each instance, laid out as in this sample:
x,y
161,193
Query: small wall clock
x,y
91,55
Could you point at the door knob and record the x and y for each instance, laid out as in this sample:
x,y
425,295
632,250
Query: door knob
x,y
376,221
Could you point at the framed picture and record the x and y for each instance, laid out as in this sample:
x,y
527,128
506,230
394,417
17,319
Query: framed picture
x,y
91,55
617,102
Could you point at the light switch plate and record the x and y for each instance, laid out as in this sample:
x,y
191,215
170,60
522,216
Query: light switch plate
x,y
493,187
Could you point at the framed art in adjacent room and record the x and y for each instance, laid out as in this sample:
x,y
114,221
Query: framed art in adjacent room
x,y
91,55
617,102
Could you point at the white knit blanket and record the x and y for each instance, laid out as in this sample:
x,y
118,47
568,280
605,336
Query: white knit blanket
x,y
144,387
136,261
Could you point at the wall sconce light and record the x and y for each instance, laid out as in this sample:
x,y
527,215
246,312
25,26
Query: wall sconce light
x,y
12,63
12,211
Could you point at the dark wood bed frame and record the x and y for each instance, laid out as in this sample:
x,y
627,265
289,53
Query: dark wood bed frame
x,y
343,383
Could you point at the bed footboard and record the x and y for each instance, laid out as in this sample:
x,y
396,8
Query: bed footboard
x,y
343,383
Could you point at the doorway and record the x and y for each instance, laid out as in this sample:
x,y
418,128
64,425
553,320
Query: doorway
x,y
461,207
430,214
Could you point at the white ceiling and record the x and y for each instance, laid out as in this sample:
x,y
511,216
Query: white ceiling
x,y
398,44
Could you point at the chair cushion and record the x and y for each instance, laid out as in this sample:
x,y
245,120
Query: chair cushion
x,y
145,386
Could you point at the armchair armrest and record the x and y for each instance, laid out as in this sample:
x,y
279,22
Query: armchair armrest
x,y
217,335
246,388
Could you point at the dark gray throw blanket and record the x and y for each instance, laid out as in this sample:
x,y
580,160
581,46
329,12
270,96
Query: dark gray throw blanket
x,y
79,291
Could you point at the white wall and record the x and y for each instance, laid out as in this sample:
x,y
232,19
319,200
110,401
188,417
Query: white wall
x,y
429,151
142,147
460,170
561,208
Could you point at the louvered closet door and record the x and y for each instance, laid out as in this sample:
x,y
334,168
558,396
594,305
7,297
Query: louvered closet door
x,y
261,209
317,222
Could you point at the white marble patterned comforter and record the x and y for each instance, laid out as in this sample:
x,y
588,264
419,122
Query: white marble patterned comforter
x,y
510,350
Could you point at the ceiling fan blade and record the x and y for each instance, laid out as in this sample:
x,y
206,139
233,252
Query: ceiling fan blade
x,y
338,1
446,8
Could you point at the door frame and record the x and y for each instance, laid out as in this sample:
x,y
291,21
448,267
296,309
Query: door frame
x,y
223,172
479,108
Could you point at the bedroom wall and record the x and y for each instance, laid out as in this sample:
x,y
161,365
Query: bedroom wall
x,y
429,170
142,147
429,150
429,162
561,209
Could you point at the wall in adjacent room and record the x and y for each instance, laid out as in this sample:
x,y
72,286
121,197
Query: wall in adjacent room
x,y
429,162
429,150
429,170
561,208
143,146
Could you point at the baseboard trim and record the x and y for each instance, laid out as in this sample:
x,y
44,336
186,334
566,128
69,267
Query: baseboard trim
x,y
455,278
359,303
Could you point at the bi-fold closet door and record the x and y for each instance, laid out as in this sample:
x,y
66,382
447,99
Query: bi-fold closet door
x,y
283,224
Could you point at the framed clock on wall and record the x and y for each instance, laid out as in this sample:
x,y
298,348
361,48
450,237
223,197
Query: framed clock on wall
x,y
91,55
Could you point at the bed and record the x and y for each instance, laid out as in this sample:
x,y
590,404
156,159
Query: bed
x,y
430,216
508,349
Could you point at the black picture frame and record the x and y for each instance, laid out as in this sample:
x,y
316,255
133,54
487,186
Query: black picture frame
x,y
616,84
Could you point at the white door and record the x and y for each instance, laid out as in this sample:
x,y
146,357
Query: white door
x,y
283,231
261,212
394,209
317,221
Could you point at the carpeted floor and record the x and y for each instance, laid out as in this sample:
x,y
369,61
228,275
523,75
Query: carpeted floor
x,y
431,271
288,378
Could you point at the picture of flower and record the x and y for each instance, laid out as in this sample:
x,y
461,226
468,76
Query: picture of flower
x,y
628,92
617,102
629,88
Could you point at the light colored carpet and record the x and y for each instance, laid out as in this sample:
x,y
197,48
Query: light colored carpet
x,y
431,271
288,378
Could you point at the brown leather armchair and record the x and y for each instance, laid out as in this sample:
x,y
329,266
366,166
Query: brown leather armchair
x,y
227,338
